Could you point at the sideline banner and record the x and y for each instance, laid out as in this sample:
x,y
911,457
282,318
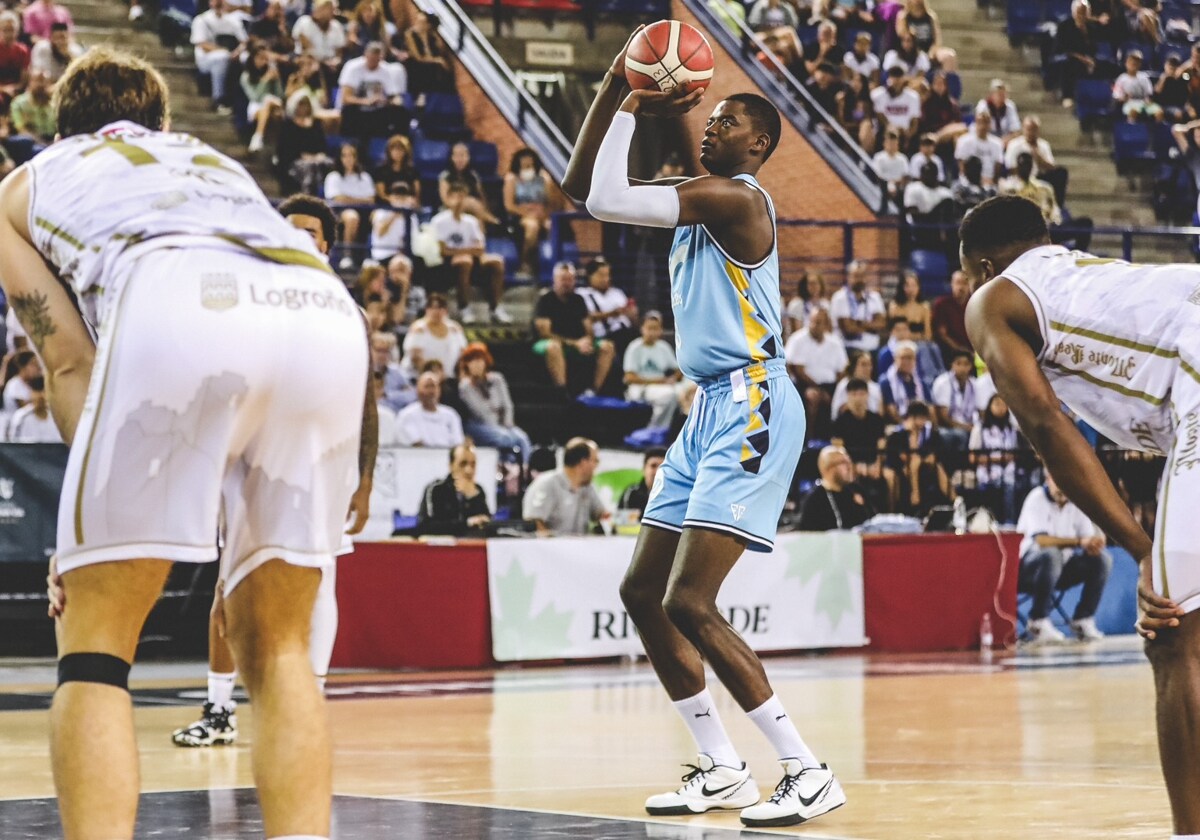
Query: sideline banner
x,y
558,598
31,477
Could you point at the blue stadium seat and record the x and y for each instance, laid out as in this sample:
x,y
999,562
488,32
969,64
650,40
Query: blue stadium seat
x,y
1056,9
954,85
1131,144
376,151
505,247
1151,62
1024,19
1182,51
1093,99
932,268
443,117
430,157
485,157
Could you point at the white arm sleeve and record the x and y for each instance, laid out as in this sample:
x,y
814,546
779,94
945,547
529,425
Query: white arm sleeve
x,y
612,198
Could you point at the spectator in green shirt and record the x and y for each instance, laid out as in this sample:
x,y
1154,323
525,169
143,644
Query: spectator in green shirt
x,y
32,113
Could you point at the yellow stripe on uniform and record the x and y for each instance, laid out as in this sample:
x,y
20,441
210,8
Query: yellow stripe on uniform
x,y
754,329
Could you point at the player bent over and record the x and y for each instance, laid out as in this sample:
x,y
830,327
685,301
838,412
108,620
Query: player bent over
x,y
228,377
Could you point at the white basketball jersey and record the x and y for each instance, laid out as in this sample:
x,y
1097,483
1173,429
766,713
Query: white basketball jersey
x,y
92,197
1112,335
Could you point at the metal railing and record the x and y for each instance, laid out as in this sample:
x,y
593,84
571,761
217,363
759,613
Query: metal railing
x,y
824,132
501,85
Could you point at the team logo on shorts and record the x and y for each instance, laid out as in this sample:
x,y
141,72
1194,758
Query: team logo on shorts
x,y
218,291
738,511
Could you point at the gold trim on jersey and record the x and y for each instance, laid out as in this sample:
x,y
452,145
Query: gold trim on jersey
x,y
59,232
1127,343
1162,523
281,256
1112,386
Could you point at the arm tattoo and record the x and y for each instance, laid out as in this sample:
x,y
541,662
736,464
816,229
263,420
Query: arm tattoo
x,y
368,445
33,312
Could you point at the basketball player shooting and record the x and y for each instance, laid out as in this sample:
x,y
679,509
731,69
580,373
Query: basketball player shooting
x,y
1116,343
215,318
724,481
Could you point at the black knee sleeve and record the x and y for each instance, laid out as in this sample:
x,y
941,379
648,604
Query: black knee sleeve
x,y
100,668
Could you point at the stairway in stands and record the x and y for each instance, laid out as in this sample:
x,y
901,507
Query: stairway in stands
x,y
1095,188
104,22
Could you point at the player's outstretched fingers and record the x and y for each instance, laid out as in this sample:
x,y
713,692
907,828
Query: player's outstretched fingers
x,y
618,65
673,103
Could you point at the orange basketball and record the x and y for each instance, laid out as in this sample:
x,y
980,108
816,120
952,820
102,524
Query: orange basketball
x,y
668,54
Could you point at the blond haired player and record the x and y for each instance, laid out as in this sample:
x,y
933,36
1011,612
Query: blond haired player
x,y
1117,343
229,375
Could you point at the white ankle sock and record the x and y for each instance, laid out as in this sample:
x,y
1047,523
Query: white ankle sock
x,y
220,689
324,626
774,722
700,715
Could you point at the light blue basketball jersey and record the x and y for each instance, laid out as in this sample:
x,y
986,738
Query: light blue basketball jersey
x,y
727,313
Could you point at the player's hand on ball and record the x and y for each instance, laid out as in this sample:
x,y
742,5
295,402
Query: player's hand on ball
x,y
618,65
657,103
1156,613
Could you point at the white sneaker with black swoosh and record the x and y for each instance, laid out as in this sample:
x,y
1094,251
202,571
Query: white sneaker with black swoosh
x,y
706,787
799,797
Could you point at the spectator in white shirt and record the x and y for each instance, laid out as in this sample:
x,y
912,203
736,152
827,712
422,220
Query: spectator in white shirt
x,y
891,165
52,55
816,358
908,57
388,432
461,239
392,228
651,372
371,96
349,184
1133,90
1006,122
860,367
954,400
32,422
926,202
219,38
1061,548
17,391
434,336
427,422
858,312
926,153
1044,167
610,310
861,60
979,142
898,105
321,34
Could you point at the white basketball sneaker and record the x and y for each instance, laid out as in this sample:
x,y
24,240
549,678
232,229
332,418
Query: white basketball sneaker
x,y
799,797
707,787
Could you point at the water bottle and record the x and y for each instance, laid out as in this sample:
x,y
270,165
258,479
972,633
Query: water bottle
x,y
960,515
985,633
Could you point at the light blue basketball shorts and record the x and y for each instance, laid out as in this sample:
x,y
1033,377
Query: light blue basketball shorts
x,y
732,465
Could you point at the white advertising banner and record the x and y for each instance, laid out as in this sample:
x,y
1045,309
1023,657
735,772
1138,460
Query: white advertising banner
x,y
558,598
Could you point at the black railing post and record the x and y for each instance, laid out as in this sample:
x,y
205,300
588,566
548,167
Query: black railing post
x,y
1127,244
847,243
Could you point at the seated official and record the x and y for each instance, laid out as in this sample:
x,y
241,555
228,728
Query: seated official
x,y
836,503
637,496
1061,548
455,505
563,503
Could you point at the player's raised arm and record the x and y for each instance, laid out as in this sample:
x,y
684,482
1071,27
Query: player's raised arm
x,y
998,319
45,309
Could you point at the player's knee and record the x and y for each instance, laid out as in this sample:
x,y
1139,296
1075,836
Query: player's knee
x,y
638,598
97,668
686,610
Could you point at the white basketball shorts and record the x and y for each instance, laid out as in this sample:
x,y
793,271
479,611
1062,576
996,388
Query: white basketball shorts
x,y
1176,555
222,382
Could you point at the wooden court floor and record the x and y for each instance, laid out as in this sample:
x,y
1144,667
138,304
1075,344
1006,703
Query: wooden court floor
x,y
1059,744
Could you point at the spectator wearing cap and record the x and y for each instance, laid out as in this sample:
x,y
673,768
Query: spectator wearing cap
x,y
861,61
981,143
1030,140
897,105
1133,92
372,95
651,372
52,55
1006,121
488,415
926,153
219,39
40,15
